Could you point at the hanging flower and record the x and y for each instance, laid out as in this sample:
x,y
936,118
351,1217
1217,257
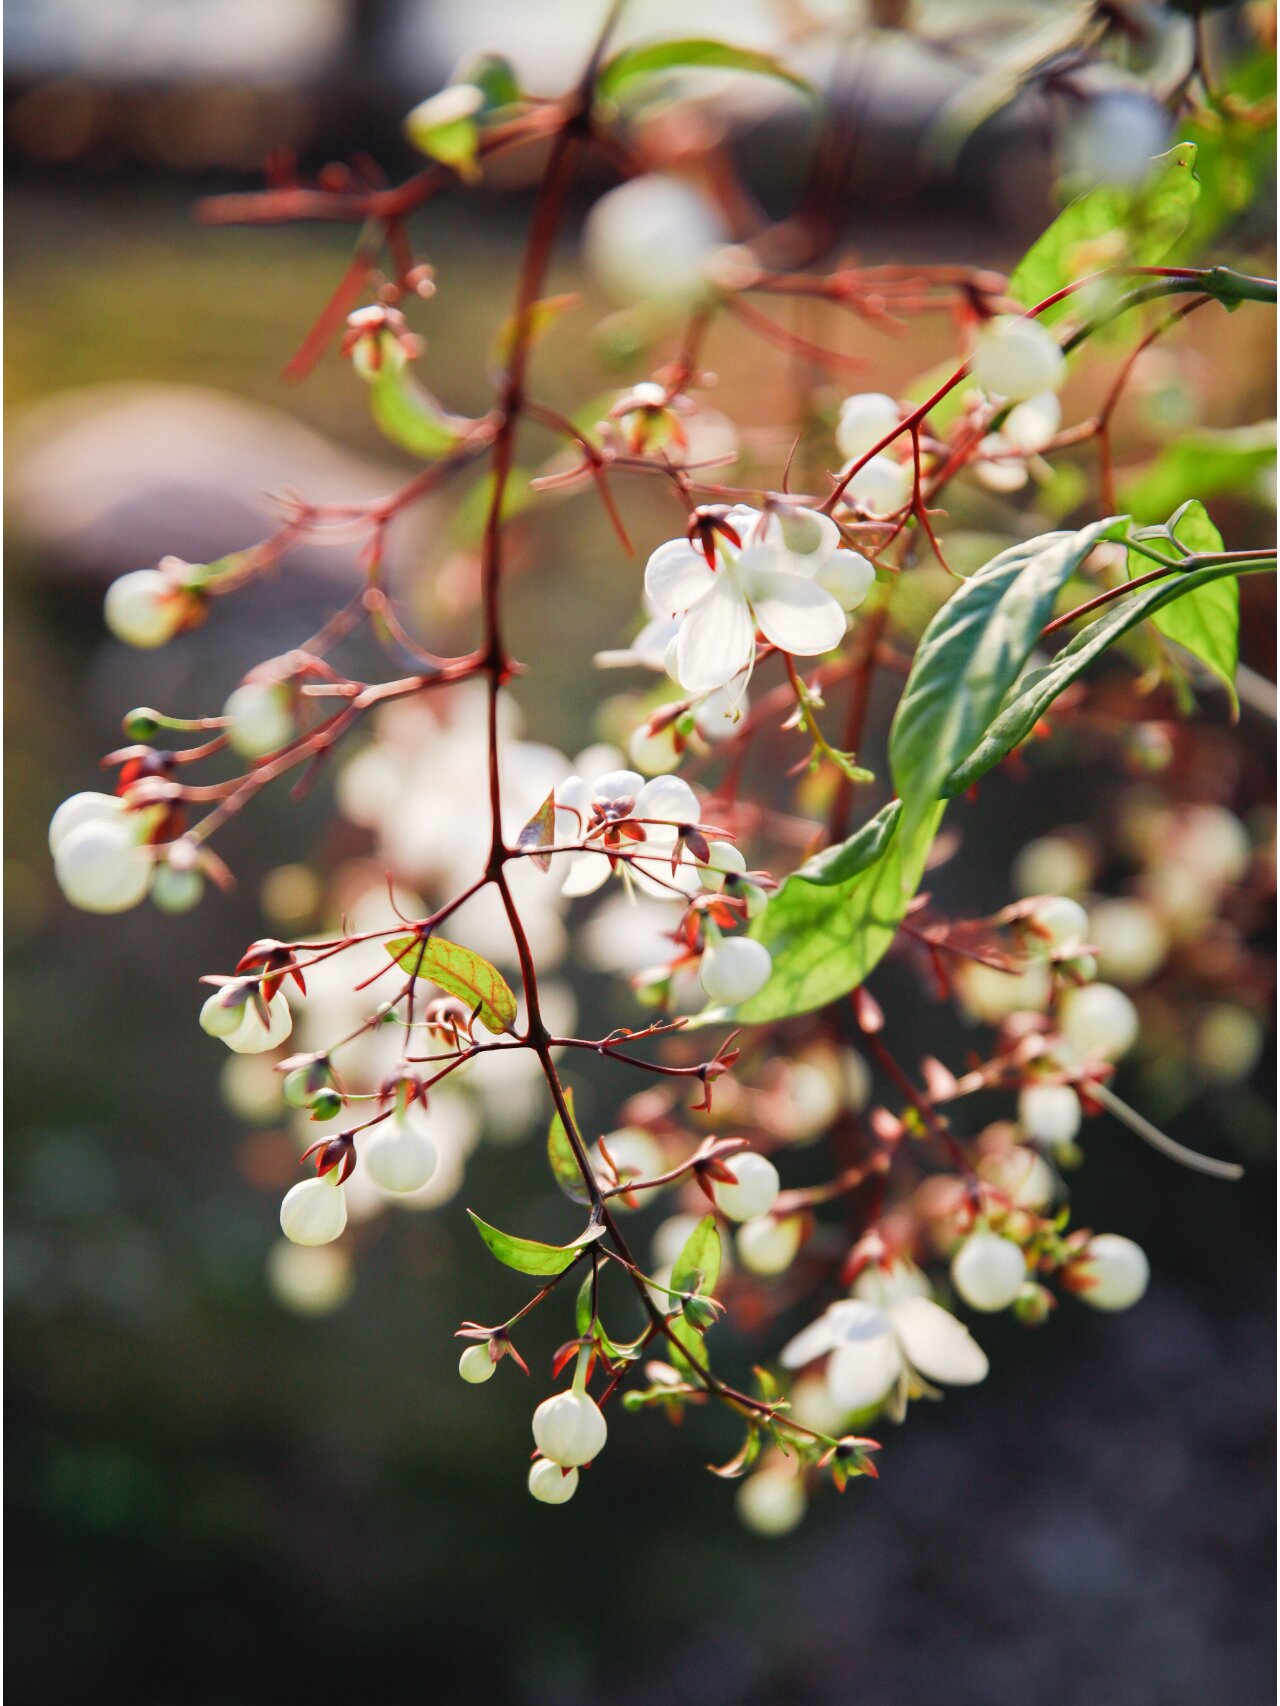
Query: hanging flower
x,y
788,579
621,813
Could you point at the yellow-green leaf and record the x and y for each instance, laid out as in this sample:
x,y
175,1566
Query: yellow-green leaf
x,y
462,972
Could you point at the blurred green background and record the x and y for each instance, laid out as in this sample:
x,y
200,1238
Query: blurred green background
x,y
212,1499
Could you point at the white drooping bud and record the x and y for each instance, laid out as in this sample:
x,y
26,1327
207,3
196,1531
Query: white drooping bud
x,y
865,421
1017,358
569,1428
654,751
769,1246
260,718
1213,840
1098,1022
315,1210
1049,1113
651,240
1032,424
1112,1272
312,1280
223,1012
1228,1042
145,608
988,1271
995,468
101,865
399,1154
771,1502
1057,923
755,1189
550,1484
251,1035
175,890
722,858
880,486
1023,1176
735,969
848,577
475,1365
1130,938
1052,864
80,809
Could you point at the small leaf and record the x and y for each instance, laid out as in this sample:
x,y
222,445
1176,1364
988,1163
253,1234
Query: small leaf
x,y
649,59
688,1338
567,1173
540,831
1206,622
697,1267
742,1460
1026,708
532,324
411,417
837,864
527,1255
1109,226
462,972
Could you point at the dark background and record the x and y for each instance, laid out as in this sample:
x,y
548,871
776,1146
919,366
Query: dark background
x,y
213,1500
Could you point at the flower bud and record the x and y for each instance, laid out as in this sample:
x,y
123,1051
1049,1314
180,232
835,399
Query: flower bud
x,y
475,1365
995,468
768,1246
755,1189
771,1502
302,1084
1098,1022
1056,923
1110,1273
1131,939
315,1210
865,420
173,890
651,239
1052,864
145,608
1228,1042
734,970
223,1011
1017,358
1032,424
101,866
251,1035
569,1428
655,752
141,724
260,718
1049,1113
550,1484
988,1271
398,1154
722,857
880,486
313,1280
326,1104
81,809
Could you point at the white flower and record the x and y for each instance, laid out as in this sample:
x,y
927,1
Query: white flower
x,y
651,239
569,1428
99,858
769,584
771,1502
1098,1022
1032,424
315,1210
145,608
1017,358
754,1191
550,1484
988,1271
475,1365
769,1246
1058,923
997,466
881,486
1053,864
590,811
1110,1273
1049,1113
1131,939
874,1349
259,718
399,1154
865,421
735,969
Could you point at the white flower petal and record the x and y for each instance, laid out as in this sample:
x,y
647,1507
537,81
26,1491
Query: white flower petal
x,y
716,640
810,1343
792,611
587,872
677,577
862,1373
617,784
669,798
933,1341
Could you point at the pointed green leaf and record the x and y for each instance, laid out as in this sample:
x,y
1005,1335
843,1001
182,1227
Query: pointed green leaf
x,y
527,1255
411,417
1110,226
1038,692
462,972
1205,622
837,864
697,1267
649,59
560,1154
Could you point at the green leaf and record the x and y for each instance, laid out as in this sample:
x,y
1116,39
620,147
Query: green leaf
x,y
697,1267
537,319
695,53
824,940
1205,462
527,1256
1109,226
971,655
1207,622
560,1155
687,1338
462,972
411,417
837,864
1038,692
